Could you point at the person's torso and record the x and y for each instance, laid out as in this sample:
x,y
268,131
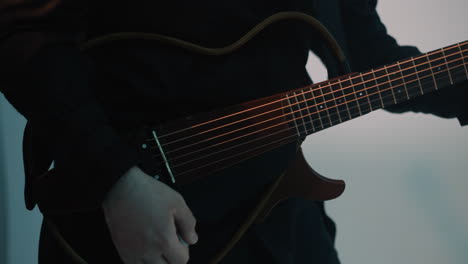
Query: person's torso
x,y
145,82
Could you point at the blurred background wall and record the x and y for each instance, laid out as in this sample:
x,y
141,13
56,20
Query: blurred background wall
x,y
22,234
3,202
407,175
406,199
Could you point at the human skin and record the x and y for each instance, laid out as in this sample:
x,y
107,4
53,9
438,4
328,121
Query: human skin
x,y
146,218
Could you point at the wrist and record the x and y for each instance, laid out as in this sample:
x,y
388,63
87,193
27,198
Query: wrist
x,y
122,187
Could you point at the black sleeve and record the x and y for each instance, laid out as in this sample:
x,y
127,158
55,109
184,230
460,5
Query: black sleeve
x,y
370,46
46,77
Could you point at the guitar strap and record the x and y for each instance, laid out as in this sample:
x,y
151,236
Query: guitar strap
x,y
37,158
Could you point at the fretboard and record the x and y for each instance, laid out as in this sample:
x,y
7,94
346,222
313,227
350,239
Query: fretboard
x,y
329,103
201,144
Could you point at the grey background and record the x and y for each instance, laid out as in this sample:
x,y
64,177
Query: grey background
x,y
22,234
3,203
406,199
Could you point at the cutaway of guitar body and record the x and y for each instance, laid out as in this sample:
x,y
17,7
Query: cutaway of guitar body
x,y
300,180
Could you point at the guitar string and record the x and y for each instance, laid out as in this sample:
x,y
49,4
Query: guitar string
x,y
304,101
303,124
318,113
270,134
284,141
360,98
297,103
288,139
357,75
340,81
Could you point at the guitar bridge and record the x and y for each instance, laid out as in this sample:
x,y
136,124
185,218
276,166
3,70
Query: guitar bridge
x,y
166,162
152,157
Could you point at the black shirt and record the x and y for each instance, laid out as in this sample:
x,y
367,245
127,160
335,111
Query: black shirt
x,y
79,102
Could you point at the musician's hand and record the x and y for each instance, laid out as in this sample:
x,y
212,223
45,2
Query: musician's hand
x,y
145,217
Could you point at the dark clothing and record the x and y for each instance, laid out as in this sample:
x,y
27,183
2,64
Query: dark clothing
x,y
82,102
61,101
280,239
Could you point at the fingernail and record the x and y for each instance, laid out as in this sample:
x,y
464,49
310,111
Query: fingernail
x,y
194,238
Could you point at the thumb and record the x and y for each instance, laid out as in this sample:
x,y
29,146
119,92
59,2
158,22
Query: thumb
x,y
185,223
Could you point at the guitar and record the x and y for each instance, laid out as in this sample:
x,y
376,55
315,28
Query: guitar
x,y
199,145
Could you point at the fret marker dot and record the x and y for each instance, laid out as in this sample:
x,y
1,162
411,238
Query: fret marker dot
x,y
399,91
360,94
321,106
438,68
144,146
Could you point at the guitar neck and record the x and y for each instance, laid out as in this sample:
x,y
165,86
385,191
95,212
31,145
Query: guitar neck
x,y
198,145
329,103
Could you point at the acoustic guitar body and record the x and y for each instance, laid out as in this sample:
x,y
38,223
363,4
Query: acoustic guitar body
x,y
300,180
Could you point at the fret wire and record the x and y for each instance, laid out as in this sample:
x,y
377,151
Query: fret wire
x,y
425,73
242,143
417,76
361,95
326,106
355,96
463,59
438,63
300,113
340,101
457,67
297,114
303,107
410,78
431,69
365,89
397,82
316,106
329,96
344,99
372,90
336,105
446,62
384,86
454,58
432,72
349,97
295,107
308,111
378,87
403,79
389,86
314,109
390,83
416,86
221,118
292,113
213,120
